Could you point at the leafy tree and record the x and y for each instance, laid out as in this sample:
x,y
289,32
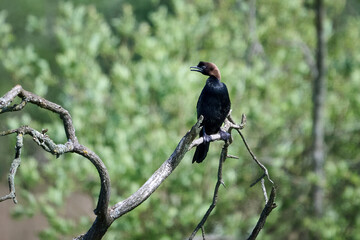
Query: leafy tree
x,y
122,70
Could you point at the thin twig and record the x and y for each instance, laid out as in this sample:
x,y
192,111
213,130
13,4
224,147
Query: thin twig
x,y
236,126
203,232
264,189
8,132
254,157
258,180
232,156
270,205
42,140
13,108
14,166
216,191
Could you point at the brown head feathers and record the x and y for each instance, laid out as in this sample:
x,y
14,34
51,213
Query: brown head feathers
x,y
207,68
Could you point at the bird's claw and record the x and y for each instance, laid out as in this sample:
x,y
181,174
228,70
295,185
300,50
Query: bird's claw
x,y
207,138
224,135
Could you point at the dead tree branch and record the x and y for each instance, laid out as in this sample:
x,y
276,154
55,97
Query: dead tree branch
x,y
14,166
270,205
106,215
158,177
266,172
219,182
229,125
72,144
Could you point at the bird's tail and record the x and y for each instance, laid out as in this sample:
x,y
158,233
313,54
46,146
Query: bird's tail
x,y
201,152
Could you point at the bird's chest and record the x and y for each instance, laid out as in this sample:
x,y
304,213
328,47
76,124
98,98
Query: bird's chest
x,y
210,103
210,100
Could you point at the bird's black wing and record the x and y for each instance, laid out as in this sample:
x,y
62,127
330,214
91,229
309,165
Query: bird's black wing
x,y
225,101
200,100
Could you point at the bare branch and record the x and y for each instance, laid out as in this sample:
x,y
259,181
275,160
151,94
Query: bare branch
x,y
270,205
105,215
232,156
9,97
100,225
72,145
228,126
13,108
159,176
254,158
8,132
258,180
264,189
29,97
216,191
203,232
14,166
238,128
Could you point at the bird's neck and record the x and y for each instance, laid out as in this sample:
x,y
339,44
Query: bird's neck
x,y
212,81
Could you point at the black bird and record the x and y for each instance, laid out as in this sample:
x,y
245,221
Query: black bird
x,y
214,104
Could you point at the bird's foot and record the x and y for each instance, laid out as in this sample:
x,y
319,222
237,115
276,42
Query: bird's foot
x,y
207,138
224,135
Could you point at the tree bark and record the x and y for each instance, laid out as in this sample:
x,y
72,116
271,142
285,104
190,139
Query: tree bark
x,y
318,97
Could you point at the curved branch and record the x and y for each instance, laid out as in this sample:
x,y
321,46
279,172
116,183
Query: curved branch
x,y
101,224
105,215
29,97
72,145
104,197
159,176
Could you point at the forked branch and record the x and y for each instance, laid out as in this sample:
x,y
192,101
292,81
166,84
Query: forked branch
x,y
106,215
270,203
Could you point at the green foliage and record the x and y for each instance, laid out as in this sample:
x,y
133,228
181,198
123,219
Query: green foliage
x,y
122,71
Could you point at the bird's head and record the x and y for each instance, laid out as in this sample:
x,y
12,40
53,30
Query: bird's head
x,y
207,68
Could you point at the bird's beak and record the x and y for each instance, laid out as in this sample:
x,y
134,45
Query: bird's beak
x,y
196,69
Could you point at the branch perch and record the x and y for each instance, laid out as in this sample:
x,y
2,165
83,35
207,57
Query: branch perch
x,y
230,124
159,176
106,215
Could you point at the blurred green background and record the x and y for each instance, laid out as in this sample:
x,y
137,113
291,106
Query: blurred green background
x,y
121,68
